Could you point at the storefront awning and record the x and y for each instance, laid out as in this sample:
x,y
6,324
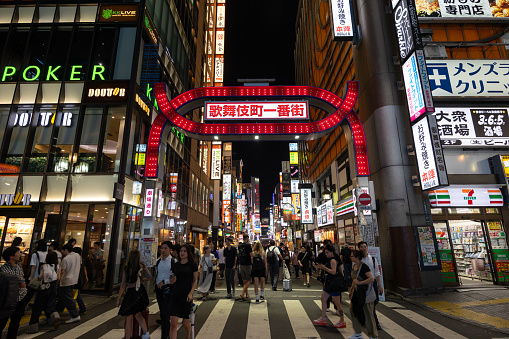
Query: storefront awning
x,y
466,197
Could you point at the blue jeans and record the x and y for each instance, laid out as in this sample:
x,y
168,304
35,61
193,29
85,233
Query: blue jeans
x,y
81,303
347,268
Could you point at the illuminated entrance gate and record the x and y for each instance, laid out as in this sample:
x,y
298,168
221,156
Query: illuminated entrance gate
x,y
337,108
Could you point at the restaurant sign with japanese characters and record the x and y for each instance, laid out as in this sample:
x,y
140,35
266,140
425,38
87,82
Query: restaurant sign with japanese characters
x,y
430,159
469,78
473,127
247,110
463,8
342,23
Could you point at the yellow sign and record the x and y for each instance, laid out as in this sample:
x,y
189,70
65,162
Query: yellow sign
x,y
19,200
294,158
139,159
505,163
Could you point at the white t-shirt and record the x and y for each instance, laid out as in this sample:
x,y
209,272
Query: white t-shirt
x,y
59,255
368,260
220,252
71,265
276,251
35,262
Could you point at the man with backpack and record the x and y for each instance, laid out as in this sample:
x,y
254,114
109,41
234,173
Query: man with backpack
x,y
12,291
245,263
273,258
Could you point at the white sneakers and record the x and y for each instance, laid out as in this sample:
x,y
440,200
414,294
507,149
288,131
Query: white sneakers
x,y
356,336
146,335
73,320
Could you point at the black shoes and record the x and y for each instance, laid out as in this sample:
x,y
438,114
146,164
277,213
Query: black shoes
x,y
378,327
274,288
159,321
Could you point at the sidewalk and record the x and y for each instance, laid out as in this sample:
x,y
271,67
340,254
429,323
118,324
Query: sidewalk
x,y
486,307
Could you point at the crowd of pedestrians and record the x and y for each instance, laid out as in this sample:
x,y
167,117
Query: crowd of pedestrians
x,y
56,277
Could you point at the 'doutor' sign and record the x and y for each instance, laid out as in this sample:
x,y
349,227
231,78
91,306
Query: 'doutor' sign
x,y
365,199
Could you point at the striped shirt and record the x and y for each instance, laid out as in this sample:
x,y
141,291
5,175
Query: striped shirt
x,y
17,271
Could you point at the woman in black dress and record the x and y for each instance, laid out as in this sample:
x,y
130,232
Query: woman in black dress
x,y
184,284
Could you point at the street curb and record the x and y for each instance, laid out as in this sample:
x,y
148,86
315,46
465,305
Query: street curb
x,y
432,309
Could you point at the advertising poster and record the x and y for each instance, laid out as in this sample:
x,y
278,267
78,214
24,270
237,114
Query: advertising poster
x,y
446,255
148,251
463,9
375,253
427,247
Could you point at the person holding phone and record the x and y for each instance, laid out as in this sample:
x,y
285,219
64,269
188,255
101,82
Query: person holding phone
x,y
184,283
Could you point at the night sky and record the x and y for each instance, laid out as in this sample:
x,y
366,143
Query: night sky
x,y
259,44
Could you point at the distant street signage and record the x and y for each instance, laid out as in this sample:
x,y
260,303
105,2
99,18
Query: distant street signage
x,y
342,23
473,127
469,78
463,9
346,206
306,206
249,110
118,13
325,214
430,159
215,170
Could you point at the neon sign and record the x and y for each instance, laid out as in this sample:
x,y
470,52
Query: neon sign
x,y
33,72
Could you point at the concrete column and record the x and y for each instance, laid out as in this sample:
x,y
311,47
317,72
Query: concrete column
x,y
383,112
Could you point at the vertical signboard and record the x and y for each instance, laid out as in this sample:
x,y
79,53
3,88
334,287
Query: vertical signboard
x,y
306,206
342,23
325,214
430,160
413,88
407,28
423,71
149,202
227,186
215,171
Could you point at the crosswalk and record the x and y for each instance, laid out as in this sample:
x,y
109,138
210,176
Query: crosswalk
x,y
277,318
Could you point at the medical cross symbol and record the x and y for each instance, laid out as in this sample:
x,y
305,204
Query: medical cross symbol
x,y
436,76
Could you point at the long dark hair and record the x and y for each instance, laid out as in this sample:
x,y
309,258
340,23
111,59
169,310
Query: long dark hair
x,y
190,254
132,266
52,259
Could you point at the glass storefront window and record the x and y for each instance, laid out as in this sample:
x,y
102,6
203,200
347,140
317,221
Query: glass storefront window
x,y
23,228
76,224
98,245
28,93
66,13
4,117
56,187
32,185
464,210
87,13
112,146
51,224
36,53
73,92
8,184
42,137
492,210
60,41
6,14
80,50
46,14
64,135
25,14
20,121
89,139
93,187
103,49
50,92
14,48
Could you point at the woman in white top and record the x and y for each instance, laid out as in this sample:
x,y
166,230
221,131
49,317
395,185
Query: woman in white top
x,y
206,269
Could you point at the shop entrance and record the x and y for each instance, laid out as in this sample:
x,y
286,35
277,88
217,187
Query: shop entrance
x,y
470,251
17,227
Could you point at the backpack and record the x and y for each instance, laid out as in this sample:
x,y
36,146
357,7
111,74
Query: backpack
x,y
271,256
9,291
258,263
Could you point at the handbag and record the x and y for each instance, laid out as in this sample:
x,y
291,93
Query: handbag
x,y
35,284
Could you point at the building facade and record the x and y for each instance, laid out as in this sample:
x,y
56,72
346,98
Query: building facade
x,y
467,231
76,106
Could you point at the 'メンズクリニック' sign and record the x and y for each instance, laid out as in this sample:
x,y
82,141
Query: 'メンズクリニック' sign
x,y
247,110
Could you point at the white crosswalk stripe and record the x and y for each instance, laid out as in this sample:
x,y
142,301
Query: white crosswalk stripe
x,y
214,325
393,329
257,322
441,331
116,333
302,326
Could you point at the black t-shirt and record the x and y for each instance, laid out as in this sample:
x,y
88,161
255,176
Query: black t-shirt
x,y
304,258
362,274
246,258
229,256
321,258
338,263
184,275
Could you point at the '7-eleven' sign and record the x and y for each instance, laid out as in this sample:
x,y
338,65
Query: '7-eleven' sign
x,y
466,197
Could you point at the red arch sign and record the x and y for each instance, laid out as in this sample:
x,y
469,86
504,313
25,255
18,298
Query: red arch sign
x,y
338,108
